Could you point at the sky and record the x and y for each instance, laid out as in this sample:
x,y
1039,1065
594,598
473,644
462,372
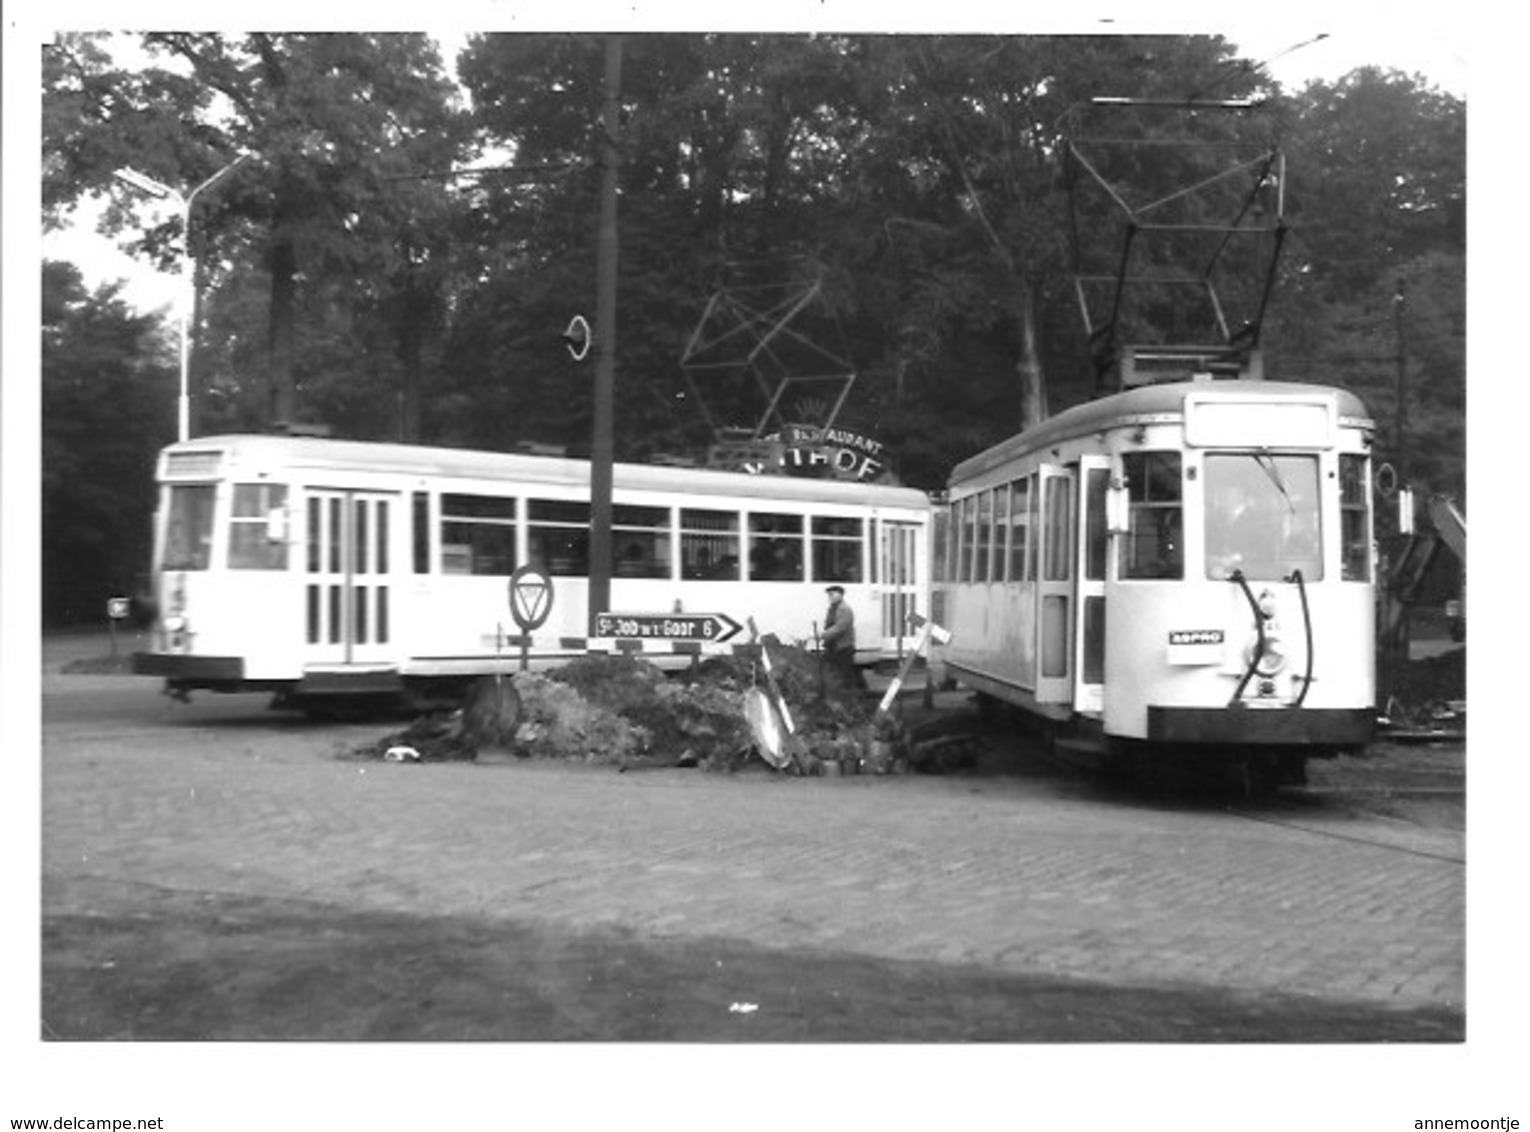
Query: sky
x,y
1305,44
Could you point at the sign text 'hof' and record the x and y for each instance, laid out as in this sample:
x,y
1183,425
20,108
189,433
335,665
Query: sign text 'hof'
x,y
808,449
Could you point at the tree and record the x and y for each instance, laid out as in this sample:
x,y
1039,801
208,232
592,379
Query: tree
x,y
920,180
348,131
967,255
1375,284
1388,159
108,404
916,177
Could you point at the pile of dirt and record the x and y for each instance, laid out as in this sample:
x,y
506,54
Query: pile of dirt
x,y
1430,688
627,712
672,722
526,716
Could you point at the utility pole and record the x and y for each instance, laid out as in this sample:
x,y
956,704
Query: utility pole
x,y
1396,628
1400,418
602,448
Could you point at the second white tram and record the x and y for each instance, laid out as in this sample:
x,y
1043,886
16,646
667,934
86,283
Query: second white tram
x,y
1182,568
321,569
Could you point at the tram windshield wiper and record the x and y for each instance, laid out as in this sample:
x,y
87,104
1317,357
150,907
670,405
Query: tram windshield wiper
x,y
1267,463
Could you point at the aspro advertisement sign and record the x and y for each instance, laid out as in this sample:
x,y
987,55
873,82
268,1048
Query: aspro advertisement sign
x,y
1196,646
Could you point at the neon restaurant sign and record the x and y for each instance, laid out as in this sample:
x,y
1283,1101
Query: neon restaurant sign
x,y
812,450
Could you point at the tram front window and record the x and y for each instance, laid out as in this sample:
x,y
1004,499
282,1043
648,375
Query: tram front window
x,y
250,545
189,532
1153,547
1262,516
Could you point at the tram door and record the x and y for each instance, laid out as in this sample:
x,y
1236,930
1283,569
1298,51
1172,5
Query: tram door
x,y
898,573
348,596
1054,587
1089,610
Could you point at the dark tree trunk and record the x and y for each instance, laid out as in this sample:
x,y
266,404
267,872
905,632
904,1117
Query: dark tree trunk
x,y
283,326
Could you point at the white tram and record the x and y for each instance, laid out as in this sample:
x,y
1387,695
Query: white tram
x,y
1176,569
320,568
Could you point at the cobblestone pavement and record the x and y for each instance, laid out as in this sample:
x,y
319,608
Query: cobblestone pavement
x,y
1011,872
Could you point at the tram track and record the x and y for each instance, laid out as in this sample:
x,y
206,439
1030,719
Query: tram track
x,y
1376,843
1344,792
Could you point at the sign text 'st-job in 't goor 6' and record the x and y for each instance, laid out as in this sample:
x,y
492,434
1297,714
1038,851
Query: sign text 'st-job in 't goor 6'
x,y
712,628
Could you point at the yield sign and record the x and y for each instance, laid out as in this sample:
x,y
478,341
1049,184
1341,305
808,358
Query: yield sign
x,y
531,596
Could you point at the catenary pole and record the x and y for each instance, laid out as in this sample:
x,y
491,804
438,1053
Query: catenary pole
x,y
602,449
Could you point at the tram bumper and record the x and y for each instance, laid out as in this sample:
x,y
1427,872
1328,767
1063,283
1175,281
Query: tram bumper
x,y
189,672
189,668
1283,727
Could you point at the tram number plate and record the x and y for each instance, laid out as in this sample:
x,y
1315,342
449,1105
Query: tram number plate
x,y
709,627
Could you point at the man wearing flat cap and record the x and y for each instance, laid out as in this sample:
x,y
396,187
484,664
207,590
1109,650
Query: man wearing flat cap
x,y
839,638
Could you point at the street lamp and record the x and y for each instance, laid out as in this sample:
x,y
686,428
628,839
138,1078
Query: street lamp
x,y
188,279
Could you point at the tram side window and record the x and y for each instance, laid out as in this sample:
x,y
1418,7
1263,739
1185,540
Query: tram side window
x,y
1019,529
421,513
983,550
998,522
1154,544
837,546
188,535
972,539
640,541
940,532
966,538
1002,498
1033,552
249,544
477,535
708,545
1096,540
1058,564
775,547
1355,519
558,536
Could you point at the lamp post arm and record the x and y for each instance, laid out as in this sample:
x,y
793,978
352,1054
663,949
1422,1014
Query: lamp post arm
x,y
189,291
188,270
219,175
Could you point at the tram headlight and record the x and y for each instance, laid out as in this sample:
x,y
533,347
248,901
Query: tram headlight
x,y
1275,655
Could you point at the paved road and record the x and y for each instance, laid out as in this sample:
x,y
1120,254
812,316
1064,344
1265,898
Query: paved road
x,y
1012,872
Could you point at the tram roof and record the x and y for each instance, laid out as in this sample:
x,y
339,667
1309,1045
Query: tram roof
x,y
1142,405
326,454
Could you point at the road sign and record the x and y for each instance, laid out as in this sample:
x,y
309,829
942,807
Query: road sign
x,y
118,608
577,338
711,628
531,597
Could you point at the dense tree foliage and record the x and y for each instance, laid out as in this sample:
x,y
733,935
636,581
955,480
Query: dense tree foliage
x,y
1376,280
397,258
332,212
108,404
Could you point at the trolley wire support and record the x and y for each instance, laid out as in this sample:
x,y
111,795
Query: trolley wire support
x,y
1175,218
